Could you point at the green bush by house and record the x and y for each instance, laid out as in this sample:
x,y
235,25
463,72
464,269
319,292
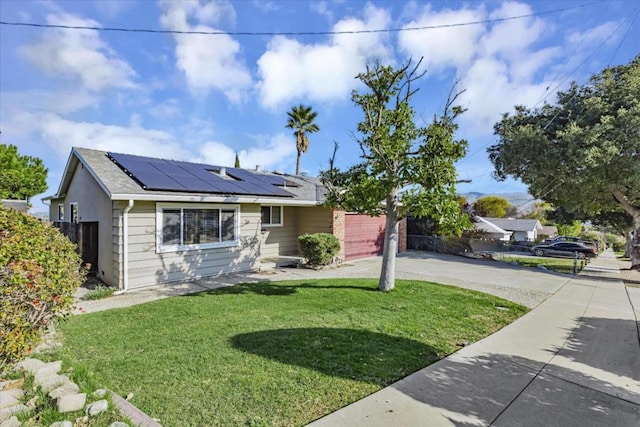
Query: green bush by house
x,y
39,274
319,248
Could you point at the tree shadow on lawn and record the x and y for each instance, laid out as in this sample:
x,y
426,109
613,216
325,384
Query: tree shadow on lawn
x,y
280,289
355,354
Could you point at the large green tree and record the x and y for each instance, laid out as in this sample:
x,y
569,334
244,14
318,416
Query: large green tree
x,y
21,177
301,120
583,153
491,206
404,168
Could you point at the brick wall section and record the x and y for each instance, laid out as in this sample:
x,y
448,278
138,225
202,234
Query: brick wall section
x,y
337,229
402,235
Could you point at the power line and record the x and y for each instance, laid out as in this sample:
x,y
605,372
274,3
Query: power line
x,y
290,33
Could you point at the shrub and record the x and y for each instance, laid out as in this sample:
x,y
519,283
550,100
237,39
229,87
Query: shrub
x,y
39,274
319,248
616,242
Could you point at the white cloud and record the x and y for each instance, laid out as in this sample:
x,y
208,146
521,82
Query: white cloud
x,y
443,47
62,134
322,72
209,62
274,154
168,109
79,54
512,37
499,64
491,91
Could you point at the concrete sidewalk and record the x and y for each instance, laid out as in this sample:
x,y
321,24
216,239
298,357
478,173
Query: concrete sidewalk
x,y
572,361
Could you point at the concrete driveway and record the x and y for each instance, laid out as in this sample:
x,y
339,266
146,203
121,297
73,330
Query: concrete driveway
x,y
525,286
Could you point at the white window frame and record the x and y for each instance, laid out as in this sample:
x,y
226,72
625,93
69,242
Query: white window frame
x,y
162,248
71,205
271,215
60,212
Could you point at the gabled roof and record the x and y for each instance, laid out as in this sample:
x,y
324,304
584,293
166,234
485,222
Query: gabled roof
x,y
489,227
19,205
511,224
118,185
549,230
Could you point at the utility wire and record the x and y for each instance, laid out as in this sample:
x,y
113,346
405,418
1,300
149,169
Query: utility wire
x,y
290,33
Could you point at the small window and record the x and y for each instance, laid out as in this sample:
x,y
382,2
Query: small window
x,y
61,212
74,212
271,215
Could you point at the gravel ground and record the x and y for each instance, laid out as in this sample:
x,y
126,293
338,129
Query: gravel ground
x,y
629,277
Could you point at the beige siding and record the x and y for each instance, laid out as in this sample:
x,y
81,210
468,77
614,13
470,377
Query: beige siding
x,y
281,240
147,267
93,206
314,220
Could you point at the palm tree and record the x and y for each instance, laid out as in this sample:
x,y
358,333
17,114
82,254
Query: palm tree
x,y
301,121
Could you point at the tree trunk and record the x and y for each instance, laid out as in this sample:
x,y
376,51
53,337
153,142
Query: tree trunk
x,y
635,247
628,244
635,213
298,163
388,272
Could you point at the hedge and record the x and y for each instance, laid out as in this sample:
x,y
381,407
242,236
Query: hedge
x,y
39,274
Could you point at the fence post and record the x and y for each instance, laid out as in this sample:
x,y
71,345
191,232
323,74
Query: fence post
x,y
575,263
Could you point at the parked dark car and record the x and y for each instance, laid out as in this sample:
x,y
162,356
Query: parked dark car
x,y
565,249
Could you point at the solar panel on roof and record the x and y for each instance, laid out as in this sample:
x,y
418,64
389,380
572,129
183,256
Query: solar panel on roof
x,y
157,181
171,175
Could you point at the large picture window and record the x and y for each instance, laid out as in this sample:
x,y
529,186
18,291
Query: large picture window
x,y
189,227
271,216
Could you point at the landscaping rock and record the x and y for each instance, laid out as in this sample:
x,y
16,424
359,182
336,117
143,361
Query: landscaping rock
x,y
51,381
118,424
71,402
541,267
64,423
9,411
11,384
30,365
11,422
100,393
66,388
96,408
10,397
49,368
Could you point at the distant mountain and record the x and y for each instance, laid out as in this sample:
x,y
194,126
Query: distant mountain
x,y
523,201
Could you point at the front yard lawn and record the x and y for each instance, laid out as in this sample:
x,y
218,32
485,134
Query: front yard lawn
x,y
559,265
276,353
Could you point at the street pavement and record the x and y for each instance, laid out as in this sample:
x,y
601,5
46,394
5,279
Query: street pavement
x,y
572,361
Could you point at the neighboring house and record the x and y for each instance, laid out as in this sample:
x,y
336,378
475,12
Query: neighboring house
x,y
161,220
522,229
19,205
548,231
492,231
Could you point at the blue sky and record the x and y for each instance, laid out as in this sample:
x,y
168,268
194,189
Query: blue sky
x,y
205,97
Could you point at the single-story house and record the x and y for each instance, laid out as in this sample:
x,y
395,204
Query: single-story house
x,y
492,231
147,220
548,231
522,229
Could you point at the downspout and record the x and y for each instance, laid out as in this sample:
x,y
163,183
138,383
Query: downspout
x,y
125,249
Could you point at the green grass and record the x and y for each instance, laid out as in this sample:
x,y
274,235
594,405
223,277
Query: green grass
x,y
279,353
559,265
